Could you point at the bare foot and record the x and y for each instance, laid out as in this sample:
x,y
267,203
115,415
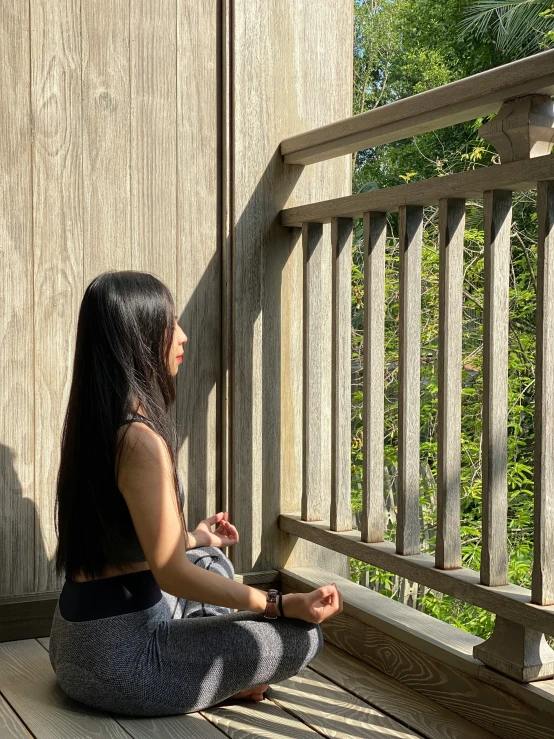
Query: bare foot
x,y
255,693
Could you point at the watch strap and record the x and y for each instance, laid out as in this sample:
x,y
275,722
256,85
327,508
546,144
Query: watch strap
x,y
271,605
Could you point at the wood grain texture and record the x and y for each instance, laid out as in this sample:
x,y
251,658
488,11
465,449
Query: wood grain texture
x,y
17,468
513,176
462,100
153,85
153,138
448,553
497,214
501,714
511,601
373,504
106,137
341,373
316,432
199,254
247,720
10,725
271,42
410,226
332,711
57,247
416,711
543,568
29,684
451,682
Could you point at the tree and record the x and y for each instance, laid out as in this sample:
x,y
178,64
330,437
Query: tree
x,y
520,27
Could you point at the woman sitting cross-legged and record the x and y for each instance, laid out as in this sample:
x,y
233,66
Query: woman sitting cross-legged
x,y
145,624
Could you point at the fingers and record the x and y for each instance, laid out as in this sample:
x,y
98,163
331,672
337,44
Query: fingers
x,y
330,596
214,519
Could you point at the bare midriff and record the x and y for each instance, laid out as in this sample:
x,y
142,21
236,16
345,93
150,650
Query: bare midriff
x,y
112,572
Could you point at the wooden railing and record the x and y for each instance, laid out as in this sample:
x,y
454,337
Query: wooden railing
x,y
522,132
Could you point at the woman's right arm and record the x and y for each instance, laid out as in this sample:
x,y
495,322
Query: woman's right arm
x,y
146,482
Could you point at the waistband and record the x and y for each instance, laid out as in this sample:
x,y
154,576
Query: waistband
x,y
108,596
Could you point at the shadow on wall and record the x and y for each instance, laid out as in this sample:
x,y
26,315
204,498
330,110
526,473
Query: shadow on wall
x,y
21,540
260,251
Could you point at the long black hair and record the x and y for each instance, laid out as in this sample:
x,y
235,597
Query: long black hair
x,y
124,336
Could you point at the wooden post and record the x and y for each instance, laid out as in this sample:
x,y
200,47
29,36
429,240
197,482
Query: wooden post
x,y
497,217
341,347
411,231
373,504
451,255
291,71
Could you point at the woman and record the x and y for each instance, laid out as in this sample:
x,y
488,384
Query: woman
x,y
145,623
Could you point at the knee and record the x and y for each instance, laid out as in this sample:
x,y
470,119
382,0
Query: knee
x,y
316,640
206,557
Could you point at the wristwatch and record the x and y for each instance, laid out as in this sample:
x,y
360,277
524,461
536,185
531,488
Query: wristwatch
x,y
271,606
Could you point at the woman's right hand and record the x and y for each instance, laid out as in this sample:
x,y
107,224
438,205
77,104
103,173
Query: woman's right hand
x,y
314,607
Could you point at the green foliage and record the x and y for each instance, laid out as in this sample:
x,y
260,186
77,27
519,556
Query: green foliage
x,y
521,27
419,50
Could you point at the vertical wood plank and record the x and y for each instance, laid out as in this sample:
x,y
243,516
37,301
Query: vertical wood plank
x,y
17,340
448,553
153,62
198,278
543,567
269,49
58,247
106,137
153,138
226,219
373,504
410,224
314,338
497,206
341,414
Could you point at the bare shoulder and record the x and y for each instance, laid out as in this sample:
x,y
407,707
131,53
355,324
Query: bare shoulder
x,y
142,451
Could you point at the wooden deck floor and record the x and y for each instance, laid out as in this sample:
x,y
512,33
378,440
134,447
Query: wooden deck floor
x,y
336,696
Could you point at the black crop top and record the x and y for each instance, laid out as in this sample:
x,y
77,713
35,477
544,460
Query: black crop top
x,y
116,595
134,553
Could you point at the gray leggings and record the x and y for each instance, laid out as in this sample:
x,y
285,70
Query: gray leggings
x,y
177,656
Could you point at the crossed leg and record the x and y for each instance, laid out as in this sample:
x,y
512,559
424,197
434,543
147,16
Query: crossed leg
x,y
212,558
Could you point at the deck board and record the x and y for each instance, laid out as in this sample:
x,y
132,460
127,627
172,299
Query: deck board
x,y
420,713
11,726
337,697
334,712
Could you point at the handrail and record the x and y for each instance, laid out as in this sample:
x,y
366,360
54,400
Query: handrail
x,y
514,176
463,100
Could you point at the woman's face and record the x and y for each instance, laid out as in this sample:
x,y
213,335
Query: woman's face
x,y
177,348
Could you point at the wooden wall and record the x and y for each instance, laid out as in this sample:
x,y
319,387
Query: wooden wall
x,y
141,135
109,154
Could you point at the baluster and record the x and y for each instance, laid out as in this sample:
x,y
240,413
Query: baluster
x,y
543,569
448,553
410,230
314,455
497,206
373,507
341,242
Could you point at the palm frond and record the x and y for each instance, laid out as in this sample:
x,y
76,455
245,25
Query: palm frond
x,y
518,25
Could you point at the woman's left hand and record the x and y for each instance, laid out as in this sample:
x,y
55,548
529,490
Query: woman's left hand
x,y
225,534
